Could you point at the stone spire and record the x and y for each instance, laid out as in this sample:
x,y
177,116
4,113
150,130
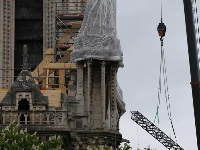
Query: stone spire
x,y
97,38
25,57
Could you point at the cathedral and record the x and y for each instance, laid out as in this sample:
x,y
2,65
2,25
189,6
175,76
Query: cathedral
x,y
58,70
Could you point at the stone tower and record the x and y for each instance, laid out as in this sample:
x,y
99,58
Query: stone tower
x,y
98,56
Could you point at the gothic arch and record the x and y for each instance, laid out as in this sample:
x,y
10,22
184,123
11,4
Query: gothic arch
x,y
23,105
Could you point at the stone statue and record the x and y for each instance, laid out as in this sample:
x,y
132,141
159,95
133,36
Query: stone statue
x,y
25,57
97,38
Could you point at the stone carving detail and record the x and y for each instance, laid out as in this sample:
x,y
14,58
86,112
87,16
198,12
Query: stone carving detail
x,y
97,38
24,83
34,117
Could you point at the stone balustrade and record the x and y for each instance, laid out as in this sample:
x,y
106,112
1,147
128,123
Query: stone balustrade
x,y
55,118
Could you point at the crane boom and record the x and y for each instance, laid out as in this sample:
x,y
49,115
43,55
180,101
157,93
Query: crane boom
x,y
194,63
154,131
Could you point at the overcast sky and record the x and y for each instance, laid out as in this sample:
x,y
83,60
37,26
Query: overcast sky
x,y
137,22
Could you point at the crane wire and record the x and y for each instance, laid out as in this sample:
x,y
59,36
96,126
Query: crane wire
x,y
163,73
161,11
160,87
138,138
159,93
167,91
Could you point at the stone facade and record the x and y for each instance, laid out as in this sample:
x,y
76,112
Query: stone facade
x,y
90,109
25,104
7,26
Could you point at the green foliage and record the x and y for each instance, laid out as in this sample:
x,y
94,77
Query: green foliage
x,y
13,138
148,148
126,146
105,147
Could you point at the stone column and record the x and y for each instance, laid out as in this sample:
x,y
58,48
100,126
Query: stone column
x,y
49,24
25,57
4,118
108,115
1,40
79,95
7,31
47,116
26,118
103,92
113,104
18,120
89,92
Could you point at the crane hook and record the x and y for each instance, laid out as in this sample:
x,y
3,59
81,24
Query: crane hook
x,y
161,30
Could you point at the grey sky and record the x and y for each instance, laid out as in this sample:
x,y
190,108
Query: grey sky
x,y
137,21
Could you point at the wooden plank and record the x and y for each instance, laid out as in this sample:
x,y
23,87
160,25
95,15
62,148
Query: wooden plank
x,y
65,58
48,57
62,60
71,48
49,51
77,25
3,93
54,97
58,66
39,69
47,79
61,78
67,35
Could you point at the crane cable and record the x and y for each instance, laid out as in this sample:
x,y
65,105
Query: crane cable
x,y
163,72
161,31
167,92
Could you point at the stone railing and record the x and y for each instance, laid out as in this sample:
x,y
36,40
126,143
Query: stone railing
x,y
56,118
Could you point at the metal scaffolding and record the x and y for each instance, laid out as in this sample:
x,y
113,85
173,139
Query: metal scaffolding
x,y
69,16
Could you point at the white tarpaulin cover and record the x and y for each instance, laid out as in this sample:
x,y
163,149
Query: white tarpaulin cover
x,y
97,38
